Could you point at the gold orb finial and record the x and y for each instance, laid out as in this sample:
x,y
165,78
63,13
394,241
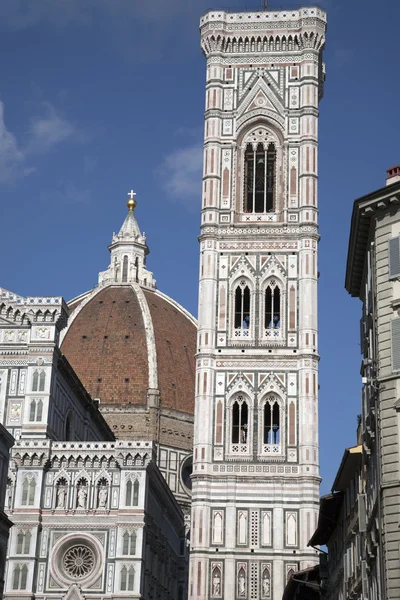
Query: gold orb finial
x,y
131,204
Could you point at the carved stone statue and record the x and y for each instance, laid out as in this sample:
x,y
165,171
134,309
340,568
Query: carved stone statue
x,y
61,496
103,495
82,497
216,583
8,496
241,583
265,585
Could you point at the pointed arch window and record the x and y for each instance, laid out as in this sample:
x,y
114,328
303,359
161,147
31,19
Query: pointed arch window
x,y
129,543
239,425
132,493
20,576
125,269
23,542
36,410
272,310
271,426
28,491
127,579
259,178
242,310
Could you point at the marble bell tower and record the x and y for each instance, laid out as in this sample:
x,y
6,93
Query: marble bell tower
x,y
256,466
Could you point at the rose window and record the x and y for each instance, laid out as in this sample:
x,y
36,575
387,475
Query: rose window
x,y
78,561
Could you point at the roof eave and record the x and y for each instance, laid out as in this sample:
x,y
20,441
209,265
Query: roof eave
x,y
351,458
328,511
364,209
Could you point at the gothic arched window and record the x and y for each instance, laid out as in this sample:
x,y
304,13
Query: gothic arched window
x,y
132,493
127,579
36,410
242,308
272,313
240,421
23,542
129,544
259,178
271,422
28,492
20,577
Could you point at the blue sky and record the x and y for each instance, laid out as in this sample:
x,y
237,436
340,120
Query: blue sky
x,y
104,95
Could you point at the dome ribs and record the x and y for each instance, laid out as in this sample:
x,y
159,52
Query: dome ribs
x,y
107,342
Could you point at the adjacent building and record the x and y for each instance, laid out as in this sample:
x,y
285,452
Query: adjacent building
x,y
6,442
341,525
256,465
373,276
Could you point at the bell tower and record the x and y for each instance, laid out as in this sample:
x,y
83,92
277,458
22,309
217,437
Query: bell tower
x,y
256,467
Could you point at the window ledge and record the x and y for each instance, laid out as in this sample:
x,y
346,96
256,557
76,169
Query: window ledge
x,y
395,303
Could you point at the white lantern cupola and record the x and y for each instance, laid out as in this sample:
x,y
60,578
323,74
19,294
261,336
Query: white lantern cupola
x,y
128,253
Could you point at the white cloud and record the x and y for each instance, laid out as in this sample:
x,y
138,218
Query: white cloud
x,y
181,172
48,130
11,157
44,133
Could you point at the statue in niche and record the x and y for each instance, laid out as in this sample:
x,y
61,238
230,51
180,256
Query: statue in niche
x,y
102,499
82,497
241,583
61,496
216,583
266,584
8,496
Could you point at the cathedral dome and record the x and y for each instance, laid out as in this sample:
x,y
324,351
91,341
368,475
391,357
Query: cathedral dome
x,y
133,347
126,343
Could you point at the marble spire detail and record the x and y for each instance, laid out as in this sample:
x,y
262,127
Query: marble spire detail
x,y
128,253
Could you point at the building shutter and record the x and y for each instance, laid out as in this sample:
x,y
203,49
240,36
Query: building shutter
x,y
394,258
364,579
362,514
395,344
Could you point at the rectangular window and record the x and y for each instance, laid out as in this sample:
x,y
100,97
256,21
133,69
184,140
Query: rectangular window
x,y
394,258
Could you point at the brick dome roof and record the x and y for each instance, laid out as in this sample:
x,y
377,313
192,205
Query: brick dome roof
x,y
124,341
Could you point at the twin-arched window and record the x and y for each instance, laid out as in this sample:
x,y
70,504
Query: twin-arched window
x,y
127,578
20,576
132,493
23,542
259,178
272,318
36,410
129,543
28,491
270,422
38,381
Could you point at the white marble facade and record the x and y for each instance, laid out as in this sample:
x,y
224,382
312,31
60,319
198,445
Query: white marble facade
x,y
91,515
256,466
96,514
